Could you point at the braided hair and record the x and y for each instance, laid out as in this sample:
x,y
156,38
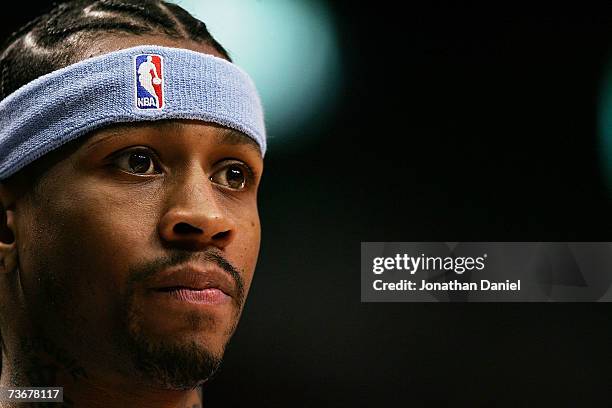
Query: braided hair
x,y
55,39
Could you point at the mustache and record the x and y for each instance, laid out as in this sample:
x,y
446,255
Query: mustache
x,y
143,272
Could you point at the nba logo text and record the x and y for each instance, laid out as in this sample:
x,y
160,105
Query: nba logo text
x,y
149,76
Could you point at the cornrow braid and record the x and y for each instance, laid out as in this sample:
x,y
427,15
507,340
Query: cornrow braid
x,y
54,40
135,10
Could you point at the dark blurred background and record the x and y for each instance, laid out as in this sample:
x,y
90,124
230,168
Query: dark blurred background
x,y
454,122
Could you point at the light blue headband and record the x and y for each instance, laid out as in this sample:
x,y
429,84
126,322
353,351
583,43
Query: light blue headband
x,y
143,83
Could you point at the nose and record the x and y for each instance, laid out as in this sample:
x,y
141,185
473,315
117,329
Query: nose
x,y
195,218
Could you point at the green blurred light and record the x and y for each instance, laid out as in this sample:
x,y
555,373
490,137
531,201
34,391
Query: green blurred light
x,y
605,126
289,48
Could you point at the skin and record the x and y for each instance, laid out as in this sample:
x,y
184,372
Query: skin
x,y
71,246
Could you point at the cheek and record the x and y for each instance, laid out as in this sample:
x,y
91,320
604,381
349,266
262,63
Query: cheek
x,y
84,239
244,250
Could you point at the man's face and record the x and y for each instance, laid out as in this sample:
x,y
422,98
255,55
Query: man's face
x,y
137,250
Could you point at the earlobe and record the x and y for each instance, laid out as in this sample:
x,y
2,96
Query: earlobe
x,y
8,258
8,245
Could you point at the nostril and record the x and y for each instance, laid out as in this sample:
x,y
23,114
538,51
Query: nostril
x,y
184,228
221,235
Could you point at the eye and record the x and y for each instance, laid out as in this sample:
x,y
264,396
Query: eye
x,y
139,161
234,176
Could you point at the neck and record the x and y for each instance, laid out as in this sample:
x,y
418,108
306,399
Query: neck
x,y
47,366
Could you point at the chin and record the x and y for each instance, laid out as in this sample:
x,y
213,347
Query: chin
x,y
173,362
179,354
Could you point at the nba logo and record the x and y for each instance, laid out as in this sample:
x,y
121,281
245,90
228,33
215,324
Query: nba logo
x,y
149,72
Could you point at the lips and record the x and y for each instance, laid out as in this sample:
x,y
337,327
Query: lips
x,y
212,296
208,284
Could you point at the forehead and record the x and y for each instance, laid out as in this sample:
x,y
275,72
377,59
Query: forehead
x,y
203,131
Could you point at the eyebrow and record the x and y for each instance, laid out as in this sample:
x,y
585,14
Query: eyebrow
x,y
235,137
228,136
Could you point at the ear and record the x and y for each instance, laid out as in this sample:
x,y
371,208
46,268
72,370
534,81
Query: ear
x,y
8,245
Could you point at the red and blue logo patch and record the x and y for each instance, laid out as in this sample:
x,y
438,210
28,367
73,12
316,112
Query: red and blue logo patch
x,y
149,72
